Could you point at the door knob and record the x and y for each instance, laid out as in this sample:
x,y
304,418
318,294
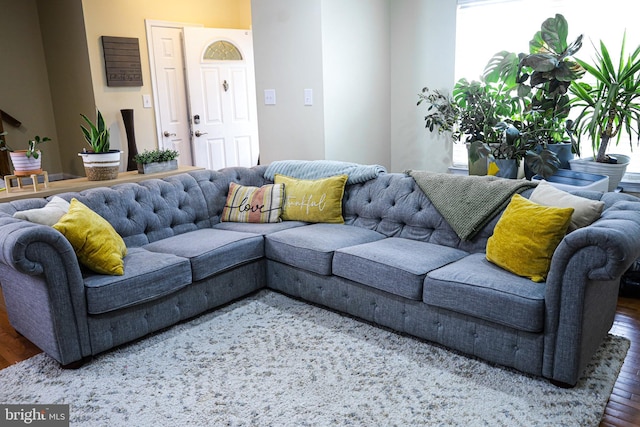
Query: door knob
x,y
199,134
167,134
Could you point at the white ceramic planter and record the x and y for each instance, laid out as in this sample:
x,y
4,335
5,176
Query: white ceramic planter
x,y
615,171
23,165
101,166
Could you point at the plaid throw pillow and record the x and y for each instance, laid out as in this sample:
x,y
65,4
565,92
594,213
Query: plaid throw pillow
x,y
253,204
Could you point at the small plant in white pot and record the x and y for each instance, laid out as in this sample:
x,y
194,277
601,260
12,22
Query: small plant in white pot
x,y
608,108
100,163
156,161
25,162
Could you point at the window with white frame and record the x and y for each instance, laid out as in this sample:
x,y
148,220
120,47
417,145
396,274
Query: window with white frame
x,y
485,27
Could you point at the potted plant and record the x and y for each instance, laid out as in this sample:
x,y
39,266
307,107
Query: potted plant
x,y
487,112
100,163
156,161
544,76
25,162
608,108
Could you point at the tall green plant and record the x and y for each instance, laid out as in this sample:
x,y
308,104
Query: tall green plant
x,y
612,104
544,76
96,135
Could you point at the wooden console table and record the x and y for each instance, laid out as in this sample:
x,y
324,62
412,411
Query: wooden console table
x,y
79,184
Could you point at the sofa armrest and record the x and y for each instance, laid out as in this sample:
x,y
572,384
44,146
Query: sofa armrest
x,y
582,288
43,288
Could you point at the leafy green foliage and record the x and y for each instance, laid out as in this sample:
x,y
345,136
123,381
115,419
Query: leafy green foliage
x,y
519,104
544,75
32,145
96,135
155,156
32,151
612,103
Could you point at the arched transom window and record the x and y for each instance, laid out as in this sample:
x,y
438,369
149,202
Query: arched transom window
x,y
222,51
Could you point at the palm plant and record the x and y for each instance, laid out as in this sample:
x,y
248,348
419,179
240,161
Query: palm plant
x,y
612,104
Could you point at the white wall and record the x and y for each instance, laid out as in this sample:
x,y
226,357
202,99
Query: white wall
x,y
287,42
356,71
422,54
366,61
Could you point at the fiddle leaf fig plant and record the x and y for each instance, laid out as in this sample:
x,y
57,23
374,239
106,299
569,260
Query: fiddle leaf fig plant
x,y
545,75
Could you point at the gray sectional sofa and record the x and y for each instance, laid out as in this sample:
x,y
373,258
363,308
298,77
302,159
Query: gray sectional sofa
x,y
395,262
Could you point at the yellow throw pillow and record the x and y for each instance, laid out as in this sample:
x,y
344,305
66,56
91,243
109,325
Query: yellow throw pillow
x,y
318,200
526,236
253,204
97,245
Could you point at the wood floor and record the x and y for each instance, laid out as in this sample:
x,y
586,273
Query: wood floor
x,y
623,408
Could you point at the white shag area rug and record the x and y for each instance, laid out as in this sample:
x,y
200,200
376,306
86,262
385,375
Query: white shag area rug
x,y
270,360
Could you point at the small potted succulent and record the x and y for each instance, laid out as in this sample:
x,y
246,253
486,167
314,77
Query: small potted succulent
x,y
156,161
100,163
25,162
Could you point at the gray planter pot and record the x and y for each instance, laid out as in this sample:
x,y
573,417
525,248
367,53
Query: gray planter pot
x,y
158,167
508,168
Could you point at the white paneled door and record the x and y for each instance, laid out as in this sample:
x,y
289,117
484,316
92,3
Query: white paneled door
x,y
171,96
222,97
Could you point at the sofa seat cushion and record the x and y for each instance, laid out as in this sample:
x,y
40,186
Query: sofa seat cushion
x,y
147,276
394,265
211,251
255,228
311,247
476,287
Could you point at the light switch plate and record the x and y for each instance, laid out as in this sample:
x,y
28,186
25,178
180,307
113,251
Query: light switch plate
x,y
146,101
269,97
308,97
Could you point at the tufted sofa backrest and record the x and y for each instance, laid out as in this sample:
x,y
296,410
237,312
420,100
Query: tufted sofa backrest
x,y
159,208
150,210
154,209
395,206
215,185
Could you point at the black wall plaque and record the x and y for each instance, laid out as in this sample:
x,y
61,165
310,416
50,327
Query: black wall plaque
x,y
122,61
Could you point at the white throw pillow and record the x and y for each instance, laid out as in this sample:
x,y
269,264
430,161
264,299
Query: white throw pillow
x,y
48,215
585,211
